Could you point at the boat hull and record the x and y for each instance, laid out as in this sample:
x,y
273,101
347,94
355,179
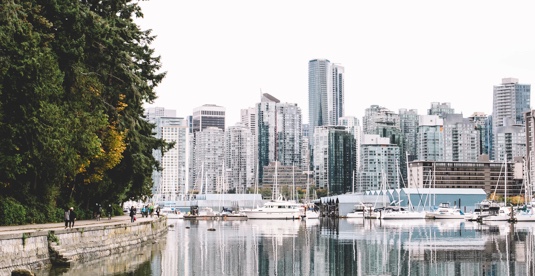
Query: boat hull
x,y
403,215
272,215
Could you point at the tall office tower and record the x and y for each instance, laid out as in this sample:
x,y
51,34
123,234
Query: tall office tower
x,y
171,180
209,161
510,100
279,133
510,141
205,116
208,115
239,162
481,122
440,109
352,125
408,121
380,166
325,93
152,113
334,159
461,139
430,138
336,109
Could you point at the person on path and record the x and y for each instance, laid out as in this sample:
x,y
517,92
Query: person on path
x,y
132,214
98,211
109,211
67,217
158,211
72,217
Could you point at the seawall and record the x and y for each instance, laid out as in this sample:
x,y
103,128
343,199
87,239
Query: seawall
x,y
63,247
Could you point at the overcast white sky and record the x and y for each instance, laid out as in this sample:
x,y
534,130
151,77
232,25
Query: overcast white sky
x,y
397,54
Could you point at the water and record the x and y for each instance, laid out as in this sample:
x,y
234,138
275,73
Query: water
x,y
327,247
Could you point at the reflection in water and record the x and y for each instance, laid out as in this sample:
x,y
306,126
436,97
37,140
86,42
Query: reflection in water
x,y
330,247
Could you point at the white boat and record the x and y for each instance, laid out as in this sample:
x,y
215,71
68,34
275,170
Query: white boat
x,y
504,214
171,213
312,214
525,214
228,214
360,210
277,209
445,211
483,209
205,213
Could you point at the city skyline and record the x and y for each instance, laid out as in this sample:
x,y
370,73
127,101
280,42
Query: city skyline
x,y
406,55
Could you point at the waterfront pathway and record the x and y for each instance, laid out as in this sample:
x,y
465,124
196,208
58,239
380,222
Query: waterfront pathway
x,y
8,230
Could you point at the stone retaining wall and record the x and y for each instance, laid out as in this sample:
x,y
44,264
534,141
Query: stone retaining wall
x,y
39,248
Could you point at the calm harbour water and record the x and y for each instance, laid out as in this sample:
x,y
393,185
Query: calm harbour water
x,y
327,247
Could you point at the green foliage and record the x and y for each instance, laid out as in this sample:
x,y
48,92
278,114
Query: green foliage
x,y
25,236
73,80
11,212
51,237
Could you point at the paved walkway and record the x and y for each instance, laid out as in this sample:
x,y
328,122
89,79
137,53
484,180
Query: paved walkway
x,y
8,230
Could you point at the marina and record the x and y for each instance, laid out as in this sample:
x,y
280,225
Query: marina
x,y
329,246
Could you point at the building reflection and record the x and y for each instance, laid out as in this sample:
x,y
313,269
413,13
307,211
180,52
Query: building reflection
x,y
327,247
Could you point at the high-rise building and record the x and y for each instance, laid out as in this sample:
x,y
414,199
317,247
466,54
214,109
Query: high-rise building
x,y
209,161
325,92
440,109
408,121
384,122
461,139
482,125
205,116
152,113
430,138
380,164
334,159
510,100
352,125
279,133
171,181
510,141
249,119
529,119
239,162
376,118
208,115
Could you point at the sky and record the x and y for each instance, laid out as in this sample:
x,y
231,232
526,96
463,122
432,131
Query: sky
x,y
396,54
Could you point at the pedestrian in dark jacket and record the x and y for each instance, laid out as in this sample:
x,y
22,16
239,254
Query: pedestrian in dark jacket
x,y
132,214
109,210
72,217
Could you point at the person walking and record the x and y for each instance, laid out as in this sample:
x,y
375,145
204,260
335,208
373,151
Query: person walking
x,y
109,211
132,214
67,217
72,217
98,211
158,211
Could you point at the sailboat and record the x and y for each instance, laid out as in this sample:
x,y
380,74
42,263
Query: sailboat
x,y
505,212
526,213
311,211
398,212
278,208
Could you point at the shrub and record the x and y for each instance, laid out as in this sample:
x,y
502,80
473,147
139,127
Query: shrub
x,y
12,212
